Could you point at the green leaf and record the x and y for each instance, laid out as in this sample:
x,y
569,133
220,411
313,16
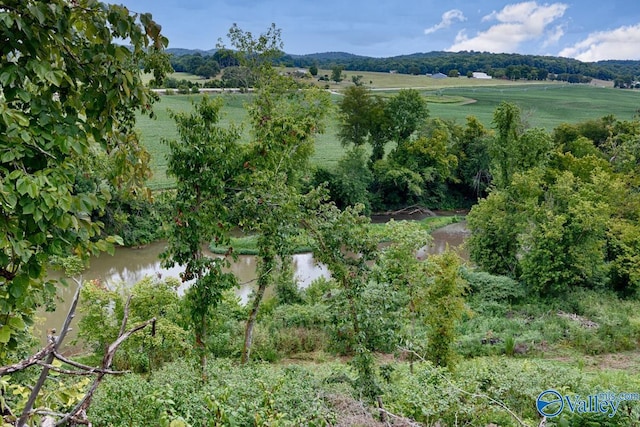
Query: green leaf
x,y
29,208
17,323
5,334
19,285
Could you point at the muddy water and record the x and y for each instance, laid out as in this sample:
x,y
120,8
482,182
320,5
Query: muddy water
x,y
129,266
452,235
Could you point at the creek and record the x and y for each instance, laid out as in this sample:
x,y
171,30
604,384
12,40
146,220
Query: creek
x,y
130,265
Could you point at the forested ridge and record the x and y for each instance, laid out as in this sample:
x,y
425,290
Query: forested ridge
x,y
498,65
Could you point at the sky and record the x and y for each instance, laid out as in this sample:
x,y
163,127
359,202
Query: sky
x,y
587,30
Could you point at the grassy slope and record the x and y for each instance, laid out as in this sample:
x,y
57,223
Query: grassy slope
x,y
545,105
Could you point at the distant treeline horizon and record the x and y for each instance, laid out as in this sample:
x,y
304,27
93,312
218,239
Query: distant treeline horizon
x,y
499,65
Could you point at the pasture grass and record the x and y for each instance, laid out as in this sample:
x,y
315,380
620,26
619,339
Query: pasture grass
x,y
385,81
545,105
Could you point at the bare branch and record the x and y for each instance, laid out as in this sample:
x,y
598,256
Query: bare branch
x,y
81,408
45,371
32,360
90,371
125,317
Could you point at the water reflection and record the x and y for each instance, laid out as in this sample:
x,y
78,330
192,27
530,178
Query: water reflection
x,y
453,236
129,265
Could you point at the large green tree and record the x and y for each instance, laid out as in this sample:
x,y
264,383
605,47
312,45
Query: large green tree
x,y
205,161
284,120
67,88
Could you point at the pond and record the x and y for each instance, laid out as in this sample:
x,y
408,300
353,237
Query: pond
x,y
130,265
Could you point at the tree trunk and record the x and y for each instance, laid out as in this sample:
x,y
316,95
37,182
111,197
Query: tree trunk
x,y
248,333
263,281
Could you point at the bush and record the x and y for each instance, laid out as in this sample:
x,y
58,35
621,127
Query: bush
x,y
137,220
256,395
103,311
489,287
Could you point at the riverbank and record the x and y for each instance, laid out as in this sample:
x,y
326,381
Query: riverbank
x,y
248,245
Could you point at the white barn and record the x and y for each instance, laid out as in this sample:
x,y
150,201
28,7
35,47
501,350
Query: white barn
x,y
478,75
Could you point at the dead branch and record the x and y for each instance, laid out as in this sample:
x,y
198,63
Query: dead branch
x,y
91,371
45,371
48,354
78,414
410,210
32,360
399,418
73,363
126,315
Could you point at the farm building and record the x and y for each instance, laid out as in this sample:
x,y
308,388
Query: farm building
x,y
478,75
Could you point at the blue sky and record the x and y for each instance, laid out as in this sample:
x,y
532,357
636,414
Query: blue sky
x,y
588,30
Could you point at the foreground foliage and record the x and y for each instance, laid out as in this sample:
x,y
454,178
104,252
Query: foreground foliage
x,y
486,390
56,115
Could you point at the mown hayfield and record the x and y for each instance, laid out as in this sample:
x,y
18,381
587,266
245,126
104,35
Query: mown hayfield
x,y
385,81
544,105
154,131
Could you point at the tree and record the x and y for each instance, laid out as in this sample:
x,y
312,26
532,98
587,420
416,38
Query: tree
x,y
400,269
53,113
506,119
336,74
336,236
352,179
515,148
284,122
201,212
208,70
445,306
355,109
407,111
562,222
313,70
474,162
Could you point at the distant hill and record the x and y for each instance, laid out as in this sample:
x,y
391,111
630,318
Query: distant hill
x,y
177,51
499,65
330,56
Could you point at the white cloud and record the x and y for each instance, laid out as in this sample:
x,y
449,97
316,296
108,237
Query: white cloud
x,y
554,36
517,23
619,43
447,19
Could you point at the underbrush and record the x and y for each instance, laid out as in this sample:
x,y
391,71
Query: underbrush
x,y
481,391
513,347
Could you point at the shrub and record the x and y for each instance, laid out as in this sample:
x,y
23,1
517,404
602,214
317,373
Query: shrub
x,y
489,287
255,395
103,311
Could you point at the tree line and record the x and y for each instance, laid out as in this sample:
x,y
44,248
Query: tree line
x,y
499,65
506,66
555,210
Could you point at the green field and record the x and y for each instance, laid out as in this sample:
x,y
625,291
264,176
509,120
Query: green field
x,y
544,105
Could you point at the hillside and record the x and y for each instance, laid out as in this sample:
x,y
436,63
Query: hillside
x,y
510,66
